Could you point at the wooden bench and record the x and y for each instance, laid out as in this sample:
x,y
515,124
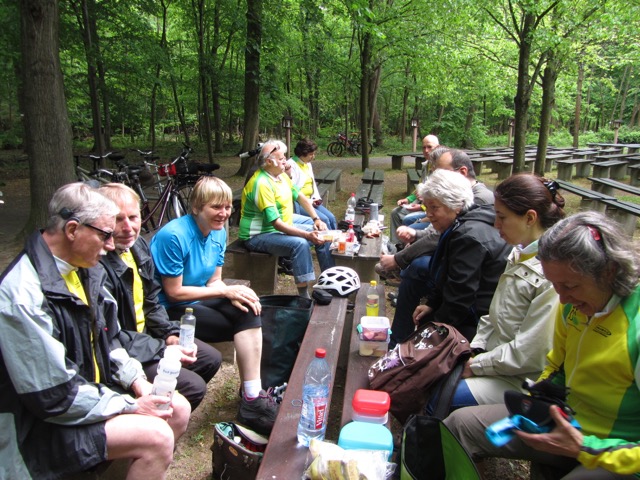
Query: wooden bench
x,y
324,191
372,176
614,169
357,366
607,186
591,200
284,458
565,167
330,177
397,159
505,166
634,174
487,160
413,179
261,269
625,213
554,157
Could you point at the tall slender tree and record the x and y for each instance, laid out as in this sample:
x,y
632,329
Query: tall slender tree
x,y
47,137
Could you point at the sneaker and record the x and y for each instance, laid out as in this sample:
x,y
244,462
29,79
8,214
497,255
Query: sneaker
x,y
284,266
258,413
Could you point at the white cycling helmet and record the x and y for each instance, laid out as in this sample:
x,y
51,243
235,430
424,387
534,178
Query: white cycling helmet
x,y
339,281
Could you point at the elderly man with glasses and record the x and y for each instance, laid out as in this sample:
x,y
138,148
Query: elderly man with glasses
x,y
266,222
72,397
411,204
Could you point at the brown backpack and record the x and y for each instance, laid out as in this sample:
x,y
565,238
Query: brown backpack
x,y
413,367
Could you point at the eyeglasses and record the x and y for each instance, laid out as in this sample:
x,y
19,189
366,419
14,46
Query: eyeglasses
x,y
106,236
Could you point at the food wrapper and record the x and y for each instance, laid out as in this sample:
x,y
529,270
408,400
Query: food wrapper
x,y
331,462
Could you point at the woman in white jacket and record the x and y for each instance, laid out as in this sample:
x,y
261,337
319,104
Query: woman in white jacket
x,y
514,338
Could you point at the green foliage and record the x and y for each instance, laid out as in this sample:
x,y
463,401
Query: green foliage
x,y
436,60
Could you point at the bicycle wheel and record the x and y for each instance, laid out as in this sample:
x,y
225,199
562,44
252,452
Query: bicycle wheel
x,y
180,201
335,149
359,148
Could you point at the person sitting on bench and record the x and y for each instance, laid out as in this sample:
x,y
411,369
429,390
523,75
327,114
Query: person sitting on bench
x,y
301,172
131,280
266,222
189,254
72,397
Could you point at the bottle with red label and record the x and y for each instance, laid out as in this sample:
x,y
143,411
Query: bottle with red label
x,y
315,398
351,234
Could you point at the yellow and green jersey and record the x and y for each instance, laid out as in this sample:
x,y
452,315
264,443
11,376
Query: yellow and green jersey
x,y
597,358
265,199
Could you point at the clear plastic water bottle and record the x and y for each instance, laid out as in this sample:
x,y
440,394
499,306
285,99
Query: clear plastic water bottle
x,y
187,329
164,384
350,216
315,399
373,299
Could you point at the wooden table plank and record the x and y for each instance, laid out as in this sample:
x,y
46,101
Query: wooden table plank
x,y
284,458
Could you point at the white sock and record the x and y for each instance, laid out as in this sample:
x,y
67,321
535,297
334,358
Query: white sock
x,y
252,388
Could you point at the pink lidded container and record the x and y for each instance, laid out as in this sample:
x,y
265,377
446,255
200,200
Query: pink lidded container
x,y
371,406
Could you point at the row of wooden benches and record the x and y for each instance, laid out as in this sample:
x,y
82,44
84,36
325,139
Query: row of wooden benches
x,y
599,198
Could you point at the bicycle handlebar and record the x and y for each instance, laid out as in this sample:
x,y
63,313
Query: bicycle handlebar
x,y
251,153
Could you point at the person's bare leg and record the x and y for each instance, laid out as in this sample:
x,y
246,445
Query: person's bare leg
x,y
181,414
147,441
248,344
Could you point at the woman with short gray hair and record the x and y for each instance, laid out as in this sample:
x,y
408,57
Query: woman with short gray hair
x,y
467,263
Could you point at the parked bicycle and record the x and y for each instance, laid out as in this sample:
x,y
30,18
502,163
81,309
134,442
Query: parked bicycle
x,y
97,174
343,144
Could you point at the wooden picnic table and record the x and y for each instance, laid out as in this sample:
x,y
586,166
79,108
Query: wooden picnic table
x,y
284,458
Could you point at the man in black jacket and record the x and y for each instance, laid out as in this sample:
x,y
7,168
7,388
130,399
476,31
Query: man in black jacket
x,y
131,281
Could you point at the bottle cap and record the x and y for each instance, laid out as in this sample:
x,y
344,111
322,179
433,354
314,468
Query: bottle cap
x,y
321,353
374,283
188,310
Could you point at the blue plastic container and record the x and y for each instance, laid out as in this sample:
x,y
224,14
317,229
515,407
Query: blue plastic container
x,y
367,436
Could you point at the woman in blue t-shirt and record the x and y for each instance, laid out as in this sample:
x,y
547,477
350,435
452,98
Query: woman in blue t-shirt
x,y
189,253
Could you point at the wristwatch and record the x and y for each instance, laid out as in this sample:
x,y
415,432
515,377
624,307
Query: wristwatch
x,y
316,218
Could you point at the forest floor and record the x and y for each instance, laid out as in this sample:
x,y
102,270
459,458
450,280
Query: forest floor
x,y
193,457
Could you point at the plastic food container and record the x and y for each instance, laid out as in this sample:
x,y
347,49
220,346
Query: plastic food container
x,y
372,349
331,235
367,436
375,328
371,406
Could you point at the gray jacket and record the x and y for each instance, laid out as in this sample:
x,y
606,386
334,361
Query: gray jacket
x,y
52,411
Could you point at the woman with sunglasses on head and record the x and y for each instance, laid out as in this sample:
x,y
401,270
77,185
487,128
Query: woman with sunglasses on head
x,y
595,356
514,337
300,171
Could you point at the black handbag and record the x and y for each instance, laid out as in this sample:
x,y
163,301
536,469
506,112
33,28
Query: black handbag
x,y
236,452
284,323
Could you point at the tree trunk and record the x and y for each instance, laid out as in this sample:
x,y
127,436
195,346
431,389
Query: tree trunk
x,y
548,100
522,99
625,91
84,16
252,81
156,84
405,103
578,110
47,132
365,79
467,141
203,67
374,87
